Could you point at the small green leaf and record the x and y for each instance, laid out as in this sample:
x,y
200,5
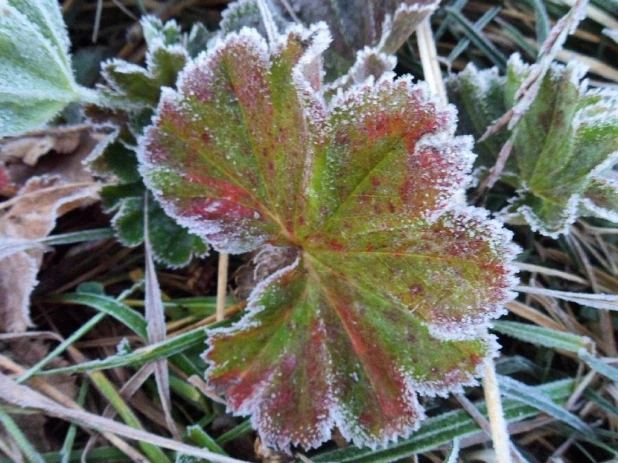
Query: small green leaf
x,y
601,197
158,33
246,13
138,86
172,244
36,79
198,38
564,141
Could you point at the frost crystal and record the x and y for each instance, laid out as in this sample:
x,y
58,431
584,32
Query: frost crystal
x,y
393,286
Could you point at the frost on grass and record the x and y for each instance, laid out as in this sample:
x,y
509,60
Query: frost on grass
x,y
36,80
564,146
392,289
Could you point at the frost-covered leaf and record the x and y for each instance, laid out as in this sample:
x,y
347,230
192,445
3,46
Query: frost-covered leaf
x,y
197,39
36,80
357,24
601,197
246,13
383,26
157,33
562,144
165,57
390,291
171,244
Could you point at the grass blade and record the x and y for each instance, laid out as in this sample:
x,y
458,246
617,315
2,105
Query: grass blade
x,y
478,39
542,336
20,439
124,314
531,396
201,438
478,25
61,347
69,440
541,20
155,317
78,237
442,429
140,356
26,397
599,365
598,301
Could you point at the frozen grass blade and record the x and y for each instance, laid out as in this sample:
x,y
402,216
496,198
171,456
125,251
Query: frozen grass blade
x,y
442,429
599,365
81,331
483,21
495,410
531,396
78,237
26,397
478,39
598,301
20,439
139,356
155,317
541,20
545,337
69,440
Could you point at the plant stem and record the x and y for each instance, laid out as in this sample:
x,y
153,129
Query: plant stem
x,y
222,285
429,59
497,423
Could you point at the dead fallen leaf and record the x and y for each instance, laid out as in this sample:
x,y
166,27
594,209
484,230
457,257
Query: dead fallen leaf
x,y
32,215
30,149
46,188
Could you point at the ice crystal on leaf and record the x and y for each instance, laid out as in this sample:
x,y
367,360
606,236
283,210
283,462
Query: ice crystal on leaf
x,y
391,291
565,145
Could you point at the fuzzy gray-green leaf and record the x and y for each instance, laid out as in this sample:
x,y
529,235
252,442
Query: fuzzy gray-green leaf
x,y
36,81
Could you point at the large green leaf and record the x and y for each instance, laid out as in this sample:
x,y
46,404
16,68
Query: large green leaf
x,y
36,80
564,145
392,287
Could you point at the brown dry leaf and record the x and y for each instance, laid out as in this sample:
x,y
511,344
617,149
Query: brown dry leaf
x,y
57,184
66,159
32,215
29,149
